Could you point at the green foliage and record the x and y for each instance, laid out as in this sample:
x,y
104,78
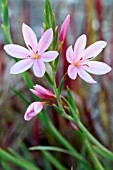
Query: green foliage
x,y
4,8
54,161
16,159
49,79
49,16
5,165
25,100
61,84
71,100
50,148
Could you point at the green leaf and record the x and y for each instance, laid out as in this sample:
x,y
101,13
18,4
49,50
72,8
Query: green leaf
x,y
49,79
47,122
104,153
5,165
49,22
58,110
49,16
51,148
47,164
19,161
26,152
4,12
54,161
55,63
61,84
6,31
29,83
71,100
20,95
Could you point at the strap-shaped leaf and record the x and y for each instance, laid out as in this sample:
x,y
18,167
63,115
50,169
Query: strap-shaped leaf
x,y
5,156
49,16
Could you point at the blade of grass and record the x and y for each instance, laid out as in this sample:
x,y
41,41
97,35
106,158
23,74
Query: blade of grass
x,y
19,162
22,97
54,161
5,165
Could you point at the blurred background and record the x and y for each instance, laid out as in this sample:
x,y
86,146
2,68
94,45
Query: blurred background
x,y
95,102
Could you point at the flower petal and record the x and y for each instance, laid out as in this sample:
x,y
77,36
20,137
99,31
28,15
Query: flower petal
x,y
72,72
49,56
30,38
39,68
21,66
30,107
70,54
98,68
79,47
45,41
17,51
94,49
29,112
85,76
38,107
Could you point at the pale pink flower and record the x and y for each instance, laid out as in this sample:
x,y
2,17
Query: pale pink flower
x,y
42,92
33,109
80,60
35,54
64,29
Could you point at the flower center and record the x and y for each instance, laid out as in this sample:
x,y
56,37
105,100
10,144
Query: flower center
x,y
76,63
36,56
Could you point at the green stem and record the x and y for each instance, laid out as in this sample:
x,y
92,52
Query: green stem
x,y
95,161
19,162
93,140
53,160
44,117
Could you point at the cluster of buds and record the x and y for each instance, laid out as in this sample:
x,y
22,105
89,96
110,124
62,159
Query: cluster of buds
x,y
36,107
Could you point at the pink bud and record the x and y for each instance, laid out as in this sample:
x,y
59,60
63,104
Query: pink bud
x,y
41,31
33,109
56,29
42,92
64,29
73,125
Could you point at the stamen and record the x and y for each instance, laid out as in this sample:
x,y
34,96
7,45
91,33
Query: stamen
x,y
86,65
36,56
30,47
76,63
90,58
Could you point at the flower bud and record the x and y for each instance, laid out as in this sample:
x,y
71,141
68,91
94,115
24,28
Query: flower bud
x,y
64,29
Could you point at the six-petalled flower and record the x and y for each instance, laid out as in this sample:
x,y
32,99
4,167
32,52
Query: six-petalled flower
x,y
80,60
36,53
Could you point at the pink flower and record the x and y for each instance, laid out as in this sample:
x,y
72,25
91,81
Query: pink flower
x,y
43,93
80,60
33,109
35,54
64,29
